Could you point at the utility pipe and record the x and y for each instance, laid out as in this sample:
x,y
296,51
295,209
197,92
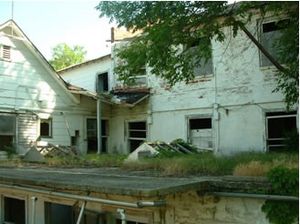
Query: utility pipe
x,y
81,212
138,204
259,196
33,199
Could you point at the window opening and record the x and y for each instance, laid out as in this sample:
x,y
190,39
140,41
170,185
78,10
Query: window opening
x,y
270,33
279,126
137,134
14,211
104,135
139,79
58,214
46,128
200,132
7,130
102,83
204,66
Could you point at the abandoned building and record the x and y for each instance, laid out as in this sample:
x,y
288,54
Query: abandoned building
x,y
229,107
37,106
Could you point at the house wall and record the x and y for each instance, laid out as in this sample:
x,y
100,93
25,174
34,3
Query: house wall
x,y
85,76
182,208
31,92
236,97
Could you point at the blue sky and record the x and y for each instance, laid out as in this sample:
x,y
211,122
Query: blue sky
x,y
48,23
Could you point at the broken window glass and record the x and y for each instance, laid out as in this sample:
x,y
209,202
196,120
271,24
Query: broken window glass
x,y
137,134
270,33
279,125
200,132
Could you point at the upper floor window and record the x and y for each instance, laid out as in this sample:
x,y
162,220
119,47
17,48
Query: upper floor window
x,y
204,65
140,79
102,82
5,52
270,32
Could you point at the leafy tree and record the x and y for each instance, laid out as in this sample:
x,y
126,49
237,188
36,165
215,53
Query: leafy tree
x,y
64,56
166,24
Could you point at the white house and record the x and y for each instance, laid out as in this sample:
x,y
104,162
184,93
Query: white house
x,y
230,106
36,105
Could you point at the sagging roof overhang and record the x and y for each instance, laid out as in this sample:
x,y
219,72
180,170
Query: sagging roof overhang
x,y
126,97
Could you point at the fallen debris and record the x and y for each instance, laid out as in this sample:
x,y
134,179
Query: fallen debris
x,y
154,149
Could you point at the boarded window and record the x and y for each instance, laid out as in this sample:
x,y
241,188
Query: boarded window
x,y
102,83
270,33
137,134
14,211
7,130
6,52
200,132
46,128
279,125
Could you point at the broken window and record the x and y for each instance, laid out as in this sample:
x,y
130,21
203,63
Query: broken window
x,y
7,130
6,52
200,132
46,128
137,134
202,66
269,34
14,211
102,82
140,79
279,126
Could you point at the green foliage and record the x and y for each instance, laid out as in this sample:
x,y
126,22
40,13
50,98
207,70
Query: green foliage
x,y
291,141
284,182
170,28
64,56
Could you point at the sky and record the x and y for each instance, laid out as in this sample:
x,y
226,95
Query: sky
x,y
50,22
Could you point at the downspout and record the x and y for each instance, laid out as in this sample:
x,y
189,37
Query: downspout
x,y
99,128
33,200
122,215
216,115
81,212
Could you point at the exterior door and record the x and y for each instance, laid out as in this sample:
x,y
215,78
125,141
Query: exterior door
x,y
91,129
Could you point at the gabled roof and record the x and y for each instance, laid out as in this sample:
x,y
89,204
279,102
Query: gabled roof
x,y
102,58
20,35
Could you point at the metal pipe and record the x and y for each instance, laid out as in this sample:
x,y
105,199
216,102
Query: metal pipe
x,y
81,212
138,204
122,215
260,196
33,199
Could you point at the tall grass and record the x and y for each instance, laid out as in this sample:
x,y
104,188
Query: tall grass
x,y
209,164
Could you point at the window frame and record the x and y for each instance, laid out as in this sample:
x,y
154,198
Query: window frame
x,y
202,74
201,116
19,197
99,74
128,130
260,23
50,128
267,118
